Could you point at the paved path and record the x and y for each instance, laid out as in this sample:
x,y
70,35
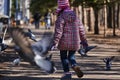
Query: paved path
x,y
92,66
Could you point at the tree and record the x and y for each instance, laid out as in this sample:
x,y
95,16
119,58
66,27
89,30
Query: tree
x,y
113,15
42,5
96,5
13,9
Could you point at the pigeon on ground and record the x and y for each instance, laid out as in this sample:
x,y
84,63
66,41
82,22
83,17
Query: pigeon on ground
x,y
34,52
108,62
16,62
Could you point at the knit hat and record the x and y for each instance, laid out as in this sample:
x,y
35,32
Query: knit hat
x,y
62,4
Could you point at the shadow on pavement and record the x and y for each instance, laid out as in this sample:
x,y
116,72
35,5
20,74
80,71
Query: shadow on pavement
x,y
39,78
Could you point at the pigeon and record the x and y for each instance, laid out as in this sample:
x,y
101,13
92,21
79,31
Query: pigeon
x,y
30,35
37,58
108,62
16,62
83,51
34,52
21,54
2,45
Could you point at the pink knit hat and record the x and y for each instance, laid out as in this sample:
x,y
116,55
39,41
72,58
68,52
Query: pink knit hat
x,y
62,4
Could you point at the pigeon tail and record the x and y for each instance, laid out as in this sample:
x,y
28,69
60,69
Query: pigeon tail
x,y
44,64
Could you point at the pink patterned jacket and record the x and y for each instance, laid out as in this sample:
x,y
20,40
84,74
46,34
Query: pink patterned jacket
x,y
69,31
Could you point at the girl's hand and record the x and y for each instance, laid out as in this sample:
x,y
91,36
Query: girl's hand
x,y
54,47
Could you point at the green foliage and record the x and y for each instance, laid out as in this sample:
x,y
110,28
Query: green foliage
x,y
89,3
42,5
93,3
111,2
13,9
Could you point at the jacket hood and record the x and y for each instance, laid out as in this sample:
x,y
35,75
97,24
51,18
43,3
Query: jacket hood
x,y
69,16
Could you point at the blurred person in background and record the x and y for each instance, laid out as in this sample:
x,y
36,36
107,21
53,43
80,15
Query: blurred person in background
x,y
37,17
47,20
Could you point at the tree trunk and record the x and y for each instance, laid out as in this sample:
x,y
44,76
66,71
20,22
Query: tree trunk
x,y
105,26
83,15
80,12
89,21
109,17
114,25
96,27
53,19
118,14
92,18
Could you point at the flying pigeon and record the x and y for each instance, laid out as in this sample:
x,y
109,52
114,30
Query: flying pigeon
x,y
34,52
30,35
21,53
83,51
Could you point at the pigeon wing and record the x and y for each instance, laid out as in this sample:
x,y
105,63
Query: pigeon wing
x,y
42,47
20,40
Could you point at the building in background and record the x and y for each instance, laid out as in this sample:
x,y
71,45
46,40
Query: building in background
x,y
22,10
1,7
5,7
5,12
24,7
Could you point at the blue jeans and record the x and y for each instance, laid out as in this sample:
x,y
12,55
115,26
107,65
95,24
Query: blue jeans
x,y
66,58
